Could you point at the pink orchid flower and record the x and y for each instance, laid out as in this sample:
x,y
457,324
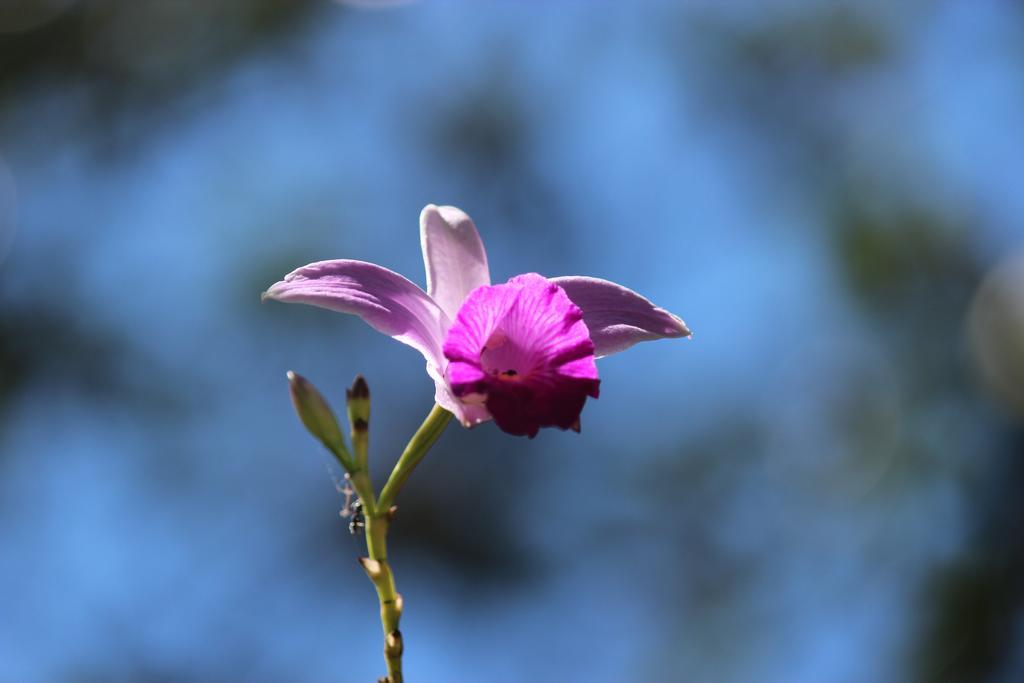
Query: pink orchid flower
x,y
521,353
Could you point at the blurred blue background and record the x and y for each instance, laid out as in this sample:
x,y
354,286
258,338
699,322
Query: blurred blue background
x,y
823,486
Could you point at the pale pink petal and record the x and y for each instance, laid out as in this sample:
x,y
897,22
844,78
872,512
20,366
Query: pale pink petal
x,y
523,349
618,317
384,299
454,256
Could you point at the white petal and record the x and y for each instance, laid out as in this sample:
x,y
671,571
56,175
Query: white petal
x,y
454,256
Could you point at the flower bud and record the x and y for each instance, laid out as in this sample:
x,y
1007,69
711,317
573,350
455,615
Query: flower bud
x,y
359,419
316,415
359,404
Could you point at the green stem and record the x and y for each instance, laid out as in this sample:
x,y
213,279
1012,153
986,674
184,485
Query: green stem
x,y
418,446
378,521
359,476
379,571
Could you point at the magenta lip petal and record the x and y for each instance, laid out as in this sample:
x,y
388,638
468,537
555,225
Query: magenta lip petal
x,y
468,379
523,349
387,301
453,255
469,414
618,317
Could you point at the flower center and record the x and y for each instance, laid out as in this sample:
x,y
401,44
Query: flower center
x,y
502,357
